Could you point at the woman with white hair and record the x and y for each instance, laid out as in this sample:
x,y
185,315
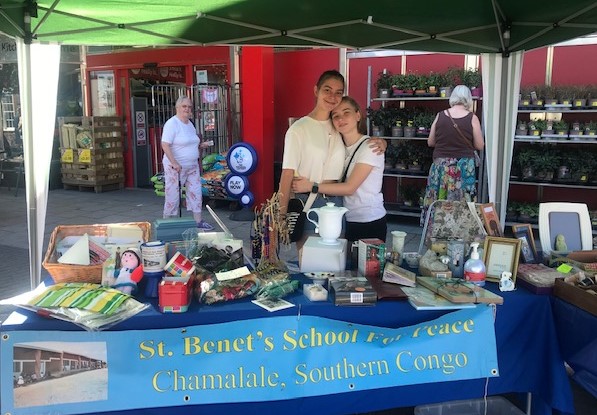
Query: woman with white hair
x,y
455,135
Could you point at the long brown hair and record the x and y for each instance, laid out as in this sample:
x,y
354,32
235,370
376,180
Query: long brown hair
x,y
330,74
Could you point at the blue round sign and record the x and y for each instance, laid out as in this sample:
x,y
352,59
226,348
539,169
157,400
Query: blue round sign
x,y
247,199
236,185
242,159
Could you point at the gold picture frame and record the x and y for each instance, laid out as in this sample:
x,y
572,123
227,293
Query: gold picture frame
x,y
499,255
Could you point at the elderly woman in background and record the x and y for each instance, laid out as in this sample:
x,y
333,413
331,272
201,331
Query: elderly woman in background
x,y
455,135
181,145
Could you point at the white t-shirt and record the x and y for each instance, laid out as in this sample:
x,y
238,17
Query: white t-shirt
x,y
366,203
306,147
183,141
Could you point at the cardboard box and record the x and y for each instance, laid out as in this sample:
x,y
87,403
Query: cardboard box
x,y
580,297
372,257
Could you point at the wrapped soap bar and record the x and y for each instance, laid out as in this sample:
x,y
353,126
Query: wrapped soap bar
x,y
315,292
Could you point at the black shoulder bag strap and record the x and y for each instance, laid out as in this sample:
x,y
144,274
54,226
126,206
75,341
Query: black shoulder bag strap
x,y
343,179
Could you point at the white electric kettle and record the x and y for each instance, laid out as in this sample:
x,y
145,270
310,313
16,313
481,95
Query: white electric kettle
x,y
330,222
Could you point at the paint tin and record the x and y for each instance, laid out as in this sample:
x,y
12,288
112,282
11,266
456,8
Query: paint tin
x,y
180,266
154,256
152,281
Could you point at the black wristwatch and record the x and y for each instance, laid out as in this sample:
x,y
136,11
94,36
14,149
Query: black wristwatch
x,y
315,188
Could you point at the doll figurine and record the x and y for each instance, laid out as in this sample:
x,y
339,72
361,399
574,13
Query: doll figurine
x,y
130,273
560,244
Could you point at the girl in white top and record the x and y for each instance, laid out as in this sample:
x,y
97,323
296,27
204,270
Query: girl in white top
x,y
361,186
313,148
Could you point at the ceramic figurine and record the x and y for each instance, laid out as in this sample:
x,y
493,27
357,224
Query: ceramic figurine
x,y
560,244
506,283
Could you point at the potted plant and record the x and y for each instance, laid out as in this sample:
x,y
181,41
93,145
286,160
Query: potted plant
x,y
537,127
398,85
409,129
525,160
512,211
391,155
545,163
434,82
411,194
528,212
411,81
579,96
561,128
525,100
472,79
521,128
421,85
591,128
592,97
402,154
550,96
423,121
383,119
384,84
398,129
564,173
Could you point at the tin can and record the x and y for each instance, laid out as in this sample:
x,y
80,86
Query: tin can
x,y
154,256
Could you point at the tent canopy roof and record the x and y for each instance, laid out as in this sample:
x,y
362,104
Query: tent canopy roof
x,y
466,26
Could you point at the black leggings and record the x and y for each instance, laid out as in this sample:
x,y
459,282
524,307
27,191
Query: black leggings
x,y
362,230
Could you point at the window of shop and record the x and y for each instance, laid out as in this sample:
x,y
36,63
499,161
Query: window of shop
x,y
103,99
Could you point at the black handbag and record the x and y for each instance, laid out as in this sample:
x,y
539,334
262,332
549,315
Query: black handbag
x,y
295,218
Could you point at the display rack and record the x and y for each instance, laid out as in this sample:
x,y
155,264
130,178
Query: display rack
x,y
91,153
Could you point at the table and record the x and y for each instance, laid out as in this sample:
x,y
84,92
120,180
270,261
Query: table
x,y
528,353
577,335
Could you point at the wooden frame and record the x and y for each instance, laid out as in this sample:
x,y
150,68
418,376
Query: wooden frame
x,y
499,255
528,249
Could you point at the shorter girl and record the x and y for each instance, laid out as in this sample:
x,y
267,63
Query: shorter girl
x,y
362,179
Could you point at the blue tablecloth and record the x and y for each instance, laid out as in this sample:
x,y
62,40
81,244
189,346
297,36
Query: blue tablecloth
x,y
577,335
528,353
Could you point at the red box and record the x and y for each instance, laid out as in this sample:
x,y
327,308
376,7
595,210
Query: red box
x,y
175,294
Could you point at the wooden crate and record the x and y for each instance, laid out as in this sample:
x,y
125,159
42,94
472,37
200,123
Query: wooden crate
x,y
106,132
99,167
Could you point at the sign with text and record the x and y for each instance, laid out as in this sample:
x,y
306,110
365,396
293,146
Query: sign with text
x,y
241,361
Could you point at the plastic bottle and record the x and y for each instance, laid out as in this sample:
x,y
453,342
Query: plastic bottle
x,y
474,268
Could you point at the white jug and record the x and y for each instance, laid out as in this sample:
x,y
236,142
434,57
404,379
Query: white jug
x,y
330,222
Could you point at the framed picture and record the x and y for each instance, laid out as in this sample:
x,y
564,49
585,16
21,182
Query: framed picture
x,y
528,249
501,254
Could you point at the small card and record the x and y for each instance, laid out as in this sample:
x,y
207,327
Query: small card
x,y
273,305
564,268
232,274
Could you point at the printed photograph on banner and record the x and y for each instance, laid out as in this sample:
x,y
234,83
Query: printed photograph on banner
x,y
49,373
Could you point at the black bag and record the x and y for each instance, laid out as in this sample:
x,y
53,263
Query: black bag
x,y
295,217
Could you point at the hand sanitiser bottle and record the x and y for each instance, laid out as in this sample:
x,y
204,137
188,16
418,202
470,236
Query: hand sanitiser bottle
x,y
474,268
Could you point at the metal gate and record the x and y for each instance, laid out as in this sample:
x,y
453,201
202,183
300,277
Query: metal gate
x,y
217,114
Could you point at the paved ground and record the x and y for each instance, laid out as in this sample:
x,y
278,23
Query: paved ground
x,y
68,207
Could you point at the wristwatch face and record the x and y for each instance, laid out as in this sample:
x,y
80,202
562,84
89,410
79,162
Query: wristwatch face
x,y
315,188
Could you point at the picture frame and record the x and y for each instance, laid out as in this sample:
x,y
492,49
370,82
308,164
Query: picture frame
x,y
528,248
499,255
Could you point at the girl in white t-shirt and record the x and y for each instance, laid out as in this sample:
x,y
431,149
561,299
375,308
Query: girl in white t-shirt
x,y
362,177
313,148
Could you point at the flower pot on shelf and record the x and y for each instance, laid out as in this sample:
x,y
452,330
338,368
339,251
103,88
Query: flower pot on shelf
x,y
579,102
383,93
445,91
377,131
551,101
410,131
397,131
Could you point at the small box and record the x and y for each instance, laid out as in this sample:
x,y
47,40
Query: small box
x,y
316,256
372,257
175,294
315,292
496,405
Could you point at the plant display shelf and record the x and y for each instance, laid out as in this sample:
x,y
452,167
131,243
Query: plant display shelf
x,y
550,184
553,109
385,137
569,139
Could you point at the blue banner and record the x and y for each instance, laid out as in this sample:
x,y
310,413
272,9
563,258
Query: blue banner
x,y
253,360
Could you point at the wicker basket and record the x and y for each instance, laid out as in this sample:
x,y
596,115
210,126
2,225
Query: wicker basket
x,y
80,273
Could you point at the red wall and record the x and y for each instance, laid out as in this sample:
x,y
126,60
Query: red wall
x,y
295,75
533,67
574,65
